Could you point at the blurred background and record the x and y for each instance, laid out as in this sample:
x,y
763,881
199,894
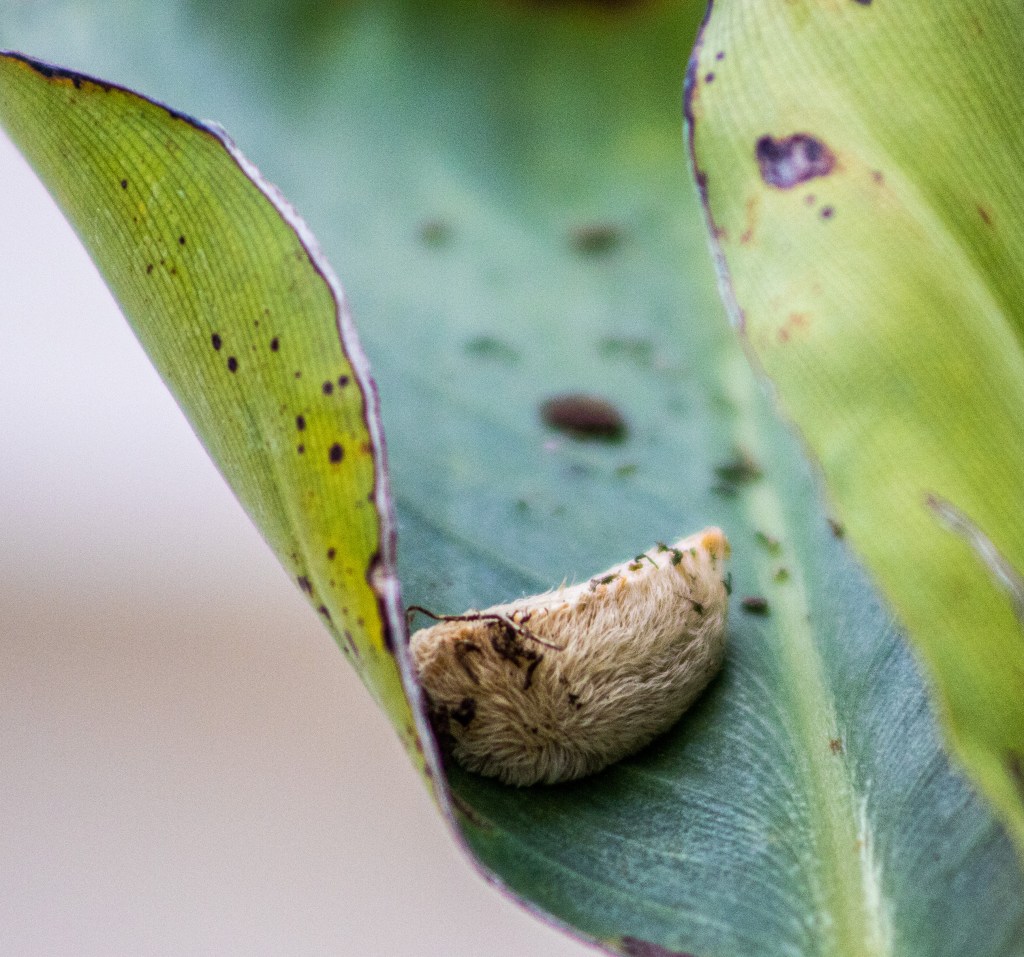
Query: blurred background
x,y
187,764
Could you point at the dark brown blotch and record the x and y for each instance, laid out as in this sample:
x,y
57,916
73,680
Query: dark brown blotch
x,y
336,453
755,604
327,388
791,160
232,364
584,416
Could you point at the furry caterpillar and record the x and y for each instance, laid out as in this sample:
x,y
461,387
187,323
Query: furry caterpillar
x,y
560,685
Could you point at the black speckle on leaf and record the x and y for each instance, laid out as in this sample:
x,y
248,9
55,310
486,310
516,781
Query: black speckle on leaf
x,y
300,422
149,268
232,364
275,344
124,184
828,212
331,552
709,77
755,604
300,449
305,584
181,240
584,416
739,470
336,453
787,162
342,381
216,341
328,388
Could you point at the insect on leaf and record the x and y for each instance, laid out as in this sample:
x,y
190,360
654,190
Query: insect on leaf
x,y
502,187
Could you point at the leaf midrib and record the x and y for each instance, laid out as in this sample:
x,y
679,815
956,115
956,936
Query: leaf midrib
x,y
845,882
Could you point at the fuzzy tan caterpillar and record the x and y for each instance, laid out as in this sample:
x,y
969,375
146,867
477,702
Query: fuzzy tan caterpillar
x,y
560,685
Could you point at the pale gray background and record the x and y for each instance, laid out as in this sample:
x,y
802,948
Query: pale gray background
x,y
187,764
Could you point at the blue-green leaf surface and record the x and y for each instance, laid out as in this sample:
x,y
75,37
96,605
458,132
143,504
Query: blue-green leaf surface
x,y
502,188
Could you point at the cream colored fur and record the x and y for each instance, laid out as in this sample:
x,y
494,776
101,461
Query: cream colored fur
x,y
636,646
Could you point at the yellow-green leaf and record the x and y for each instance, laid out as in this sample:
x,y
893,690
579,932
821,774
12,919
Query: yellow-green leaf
x,y
861,164
242,317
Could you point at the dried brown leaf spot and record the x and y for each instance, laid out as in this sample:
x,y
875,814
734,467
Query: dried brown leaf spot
x,y
584,416
792,160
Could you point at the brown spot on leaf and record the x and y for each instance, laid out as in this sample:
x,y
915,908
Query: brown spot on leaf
x,y
584,416
787,162
755,604
752,207
827,212
835,746
985,214
739,470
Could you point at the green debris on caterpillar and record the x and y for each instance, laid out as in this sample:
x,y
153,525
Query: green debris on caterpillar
x,y
560,685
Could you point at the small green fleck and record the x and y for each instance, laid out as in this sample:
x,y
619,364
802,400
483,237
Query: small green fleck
x,y
490,347
739,470
769,542
435,232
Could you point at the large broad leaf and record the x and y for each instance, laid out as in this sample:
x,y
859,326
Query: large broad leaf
x,y
502,188
869,208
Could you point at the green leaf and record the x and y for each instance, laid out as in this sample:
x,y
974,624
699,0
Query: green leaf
x,y
502,188
877,280
247,326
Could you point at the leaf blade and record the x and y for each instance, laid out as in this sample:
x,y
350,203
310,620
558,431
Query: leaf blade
x,y
233,301
883,292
